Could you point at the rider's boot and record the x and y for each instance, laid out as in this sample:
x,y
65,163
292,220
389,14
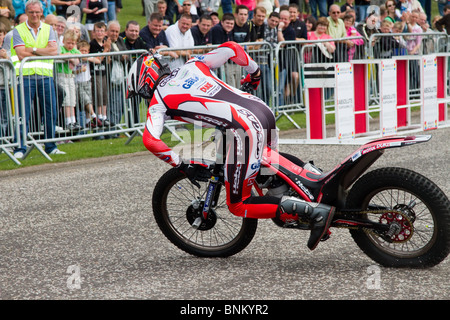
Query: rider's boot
x,y
320,216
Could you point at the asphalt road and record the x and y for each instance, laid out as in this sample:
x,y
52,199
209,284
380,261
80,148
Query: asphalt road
x,y
85,230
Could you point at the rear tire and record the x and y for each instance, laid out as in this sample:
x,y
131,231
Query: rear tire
x,y
427,240
222,236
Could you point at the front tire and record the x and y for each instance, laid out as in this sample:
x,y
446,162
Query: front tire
x,y
426,238
175,201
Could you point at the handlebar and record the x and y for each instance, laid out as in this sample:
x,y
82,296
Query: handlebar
x,y
247,87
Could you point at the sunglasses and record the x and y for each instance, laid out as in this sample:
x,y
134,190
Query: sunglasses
x,y
186,4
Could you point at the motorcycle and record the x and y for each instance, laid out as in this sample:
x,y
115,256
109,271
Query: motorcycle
x,y
397,217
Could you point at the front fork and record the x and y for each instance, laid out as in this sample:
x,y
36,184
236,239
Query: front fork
x,y
214,186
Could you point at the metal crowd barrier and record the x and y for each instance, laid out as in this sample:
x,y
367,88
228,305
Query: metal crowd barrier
x,y
9,121
79,98
282,88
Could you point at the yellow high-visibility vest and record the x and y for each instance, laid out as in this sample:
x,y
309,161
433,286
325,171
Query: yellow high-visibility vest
x,y
39,67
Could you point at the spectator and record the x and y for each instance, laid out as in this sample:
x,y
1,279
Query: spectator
x,y
189,9
66,79
401,43
100,44
149,8
95,12
61,24
223,31
413,46
154,35
366,29
336,29
62,5
326,48
285,33
349,21
298,25
241,29
7,14
386,46
270,35
179,36
202,31
116,91
269,5
322,8
390,10
209,6
426,6
215,18
310,23
37,82
444,22
361,9
131,37
83,85
114,7
250,4
428,42
257,23
161,8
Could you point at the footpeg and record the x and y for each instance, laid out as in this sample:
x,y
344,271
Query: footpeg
x,y
197,222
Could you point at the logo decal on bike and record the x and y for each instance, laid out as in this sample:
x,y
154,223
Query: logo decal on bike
x,y
188,83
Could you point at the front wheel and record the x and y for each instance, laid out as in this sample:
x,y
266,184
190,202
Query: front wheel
x,y
422,233
176,205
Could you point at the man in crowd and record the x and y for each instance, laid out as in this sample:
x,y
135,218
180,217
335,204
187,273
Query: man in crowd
x,y
131,37
242,27
34,38
202,31
179,36
223,31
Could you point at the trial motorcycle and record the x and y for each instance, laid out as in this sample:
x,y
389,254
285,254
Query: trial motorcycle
x,y
397,217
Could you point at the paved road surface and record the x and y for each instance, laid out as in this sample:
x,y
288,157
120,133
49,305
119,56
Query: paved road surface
x,y
92,220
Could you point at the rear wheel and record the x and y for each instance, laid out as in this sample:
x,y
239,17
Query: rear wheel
x,y
176,205
420,218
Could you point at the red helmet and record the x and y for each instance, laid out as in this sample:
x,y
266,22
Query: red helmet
x,y
144,76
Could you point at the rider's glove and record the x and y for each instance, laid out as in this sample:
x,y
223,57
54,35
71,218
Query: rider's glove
x,y
194,172
252,79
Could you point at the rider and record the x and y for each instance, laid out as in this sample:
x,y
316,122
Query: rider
x,y
193,93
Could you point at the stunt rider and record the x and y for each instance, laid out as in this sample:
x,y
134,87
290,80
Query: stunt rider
x,y
193,93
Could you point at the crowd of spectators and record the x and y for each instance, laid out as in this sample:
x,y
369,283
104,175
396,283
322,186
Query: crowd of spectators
x,y
183,24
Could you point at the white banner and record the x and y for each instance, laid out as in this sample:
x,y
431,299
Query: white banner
x,y
345,101
430,109
388,94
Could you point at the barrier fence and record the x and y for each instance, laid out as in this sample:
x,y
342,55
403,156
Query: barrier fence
x,y
297,76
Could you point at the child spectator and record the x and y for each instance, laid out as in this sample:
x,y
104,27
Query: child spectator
x,y
66,79
100,44
83,84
